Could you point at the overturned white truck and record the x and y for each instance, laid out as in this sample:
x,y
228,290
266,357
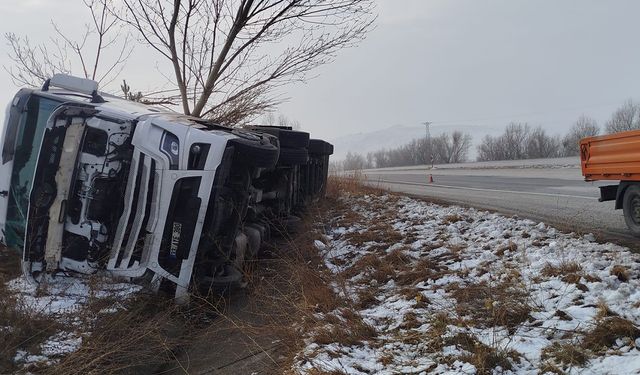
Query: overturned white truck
x,y
94,182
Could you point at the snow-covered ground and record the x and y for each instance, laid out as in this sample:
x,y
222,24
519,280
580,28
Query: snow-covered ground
x,y
66,301
434,289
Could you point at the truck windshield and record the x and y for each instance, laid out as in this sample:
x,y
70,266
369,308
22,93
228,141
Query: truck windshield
x,y
31,127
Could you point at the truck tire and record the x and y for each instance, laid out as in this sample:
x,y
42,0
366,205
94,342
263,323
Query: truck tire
x,y
320,147
287,138
293,156
631,209
256,151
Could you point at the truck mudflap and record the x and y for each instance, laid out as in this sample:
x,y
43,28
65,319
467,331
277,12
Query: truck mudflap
x,y
608,193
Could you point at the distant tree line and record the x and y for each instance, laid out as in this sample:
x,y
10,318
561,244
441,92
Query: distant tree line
x,y
521,141
518,141
446,148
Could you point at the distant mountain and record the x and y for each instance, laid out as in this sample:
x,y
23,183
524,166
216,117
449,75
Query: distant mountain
x,y
399,135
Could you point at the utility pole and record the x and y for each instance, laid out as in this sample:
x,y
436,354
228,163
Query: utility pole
x,y
428,144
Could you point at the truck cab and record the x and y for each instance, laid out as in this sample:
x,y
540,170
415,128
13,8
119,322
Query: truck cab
x,y
94,183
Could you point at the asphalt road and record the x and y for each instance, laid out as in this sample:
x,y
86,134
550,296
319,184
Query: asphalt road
x,y
553,194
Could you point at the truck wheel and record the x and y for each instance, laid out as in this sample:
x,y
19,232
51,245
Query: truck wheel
x,y
317,146
258,153
287,138
631,209
293,156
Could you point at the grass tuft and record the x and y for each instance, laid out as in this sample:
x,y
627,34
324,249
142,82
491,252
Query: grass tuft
x,y
487,305
620,272
483,357
568,354
562,269
607,331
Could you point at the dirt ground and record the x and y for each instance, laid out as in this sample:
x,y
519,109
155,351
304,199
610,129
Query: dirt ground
x,y
244,336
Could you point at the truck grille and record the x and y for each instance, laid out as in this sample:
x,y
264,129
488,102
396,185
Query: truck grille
x,y
132,228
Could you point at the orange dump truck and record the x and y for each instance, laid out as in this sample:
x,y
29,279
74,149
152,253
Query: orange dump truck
x,y
615,157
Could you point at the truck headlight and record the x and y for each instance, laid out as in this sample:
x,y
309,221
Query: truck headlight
x,y
170,146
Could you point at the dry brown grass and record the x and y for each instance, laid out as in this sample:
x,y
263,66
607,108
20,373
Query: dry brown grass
x,y
351,184
433,338
421,270
510,246
21,328
386,359
141,337
569,272
410,292
132,339
349,218
604,335
562,269
567,354
367,297
300,288
603,311
396,265
451,219
410,321
549,368
483,357
485,305
316,291
351,330
562,315
380,232
620,272
315,371
365,264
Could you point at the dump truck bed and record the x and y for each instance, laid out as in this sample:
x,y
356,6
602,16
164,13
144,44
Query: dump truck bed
x,y
611,157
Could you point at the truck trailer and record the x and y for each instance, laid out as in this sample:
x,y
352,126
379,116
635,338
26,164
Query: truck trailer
x,y
615,157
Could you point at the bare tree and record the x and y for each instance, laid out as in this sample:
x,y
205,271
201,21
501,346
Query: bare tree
x,y
354,161
627,117
447,148
583,127
281,120
228,55
370,163
33,64
514,140
380,159
489,149
518,141
541,145
451,148
460,144
286,121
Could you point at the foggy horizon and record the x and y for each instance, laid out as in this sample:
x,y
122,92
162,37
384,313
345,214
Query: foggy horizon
x,y
449,62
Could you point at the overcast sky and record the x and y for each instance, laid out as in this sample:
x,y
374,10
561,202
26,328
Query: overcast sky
x,y
481,63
